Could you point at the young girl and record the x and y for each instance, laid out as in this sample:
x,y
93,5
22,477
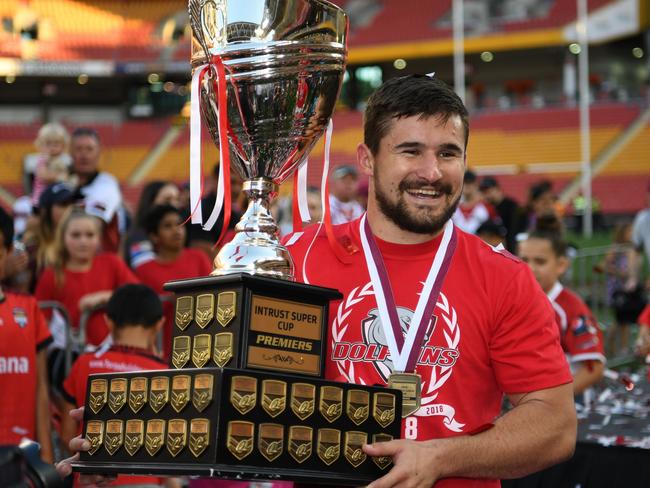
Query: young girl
x,y
545,252
54,162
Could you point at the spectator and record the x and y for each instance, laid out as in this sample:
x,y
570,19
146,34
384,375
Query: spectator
x,y
641,242
81,279
492,232
172,261
24,337
344,187
53,165
134,317
137,247
542,201
472,211
54,201
506,208
545,252
99,190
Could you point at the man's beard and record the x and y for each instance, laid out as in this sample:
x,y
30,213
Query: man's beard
x,y
416,222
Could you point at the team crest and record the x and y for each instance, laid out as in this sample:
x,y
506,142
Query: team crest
x,y
240,438
222,353
181,351
271,441
274,397
138,393
159,394
382,461
204,309
331,402
114,436
117,395
354,442
199,436
329,445
202,391
155,436
134,438
98,394
226,306
243,393
300,442
383,408
180,392
184,311
201,349
95,435
303,396
176,436
20,317
358,406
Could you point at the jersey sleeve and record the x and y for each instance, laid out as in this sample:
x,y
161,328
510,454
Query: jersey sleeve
x,y
525,346
644,318
123,274
41,330
583,338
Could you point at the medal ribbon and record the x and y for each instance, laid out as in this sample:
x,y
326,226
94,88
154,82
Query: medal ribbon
x,y
402,350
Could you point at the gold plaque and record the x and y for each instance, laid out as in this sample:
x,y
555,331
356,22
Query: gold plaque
x,y
223,348
270,441
303,396
382,461
98,394
95,435
329,445
243,393
184,310
354,442
134,438
199,436
176,436
159,393
330,405
180,392
202,391
240,438
300,441
201,349
226,307
117,395
154,437
274,397
204,309
358,406
114,436
137,393
181,351
383,408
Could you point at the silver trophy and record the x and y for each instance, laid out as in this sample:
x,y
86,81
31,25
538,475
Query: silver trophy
x,y
284,62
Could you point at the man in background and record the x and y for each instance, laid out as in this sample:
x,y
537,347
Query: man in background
x,y
506,208
344,185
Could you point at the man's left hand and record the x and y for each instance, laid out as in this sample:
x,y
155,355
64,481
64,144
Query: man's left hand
x,y
414,463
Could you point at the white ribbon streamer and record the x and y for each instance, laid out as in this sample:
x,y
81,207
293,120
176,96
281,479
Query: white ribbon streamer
x,y
195,146
303,207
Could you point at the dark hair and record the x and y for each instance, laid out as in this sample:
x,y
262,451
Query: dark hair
x,y
85,131
469,177
134,304
6,228
549,228
539,189
147,196
155,216
408,96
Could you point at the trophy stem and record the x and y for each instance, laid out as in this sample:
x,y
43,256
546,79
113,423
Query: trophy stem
x,y
256,248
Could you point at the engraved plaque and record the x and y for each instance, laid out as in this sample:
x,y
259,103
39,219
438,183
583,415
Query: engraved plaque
x,y
114,436
354,442
95,435
240,438
226,307
199,436
176,436
98,394
184,311
303,396
202,391
300,442
134,438
137,393
243,393
382,461
154,436
201,349
383,408
117,395
181,351
329,445
159,394
223,348
274,397
330,405
204,309
180,392
271,441
358,406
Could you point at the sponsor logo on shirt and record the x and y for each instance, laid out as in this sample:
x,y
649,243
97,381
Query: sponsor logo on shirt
x,y
20,317
113,365
14,365
582,326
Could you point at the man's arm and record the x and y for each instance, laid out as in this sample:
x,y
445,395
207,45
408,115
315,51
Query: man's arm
x,y
587,374
539,431
43,427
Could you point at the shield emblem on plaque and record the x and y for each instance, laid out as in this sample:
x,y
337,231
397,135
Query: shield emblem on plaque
x,y
137,393
134,438
199,436
303,396
240,438
222,348
114,436
176,436
159,393
243,393
184,311
358,406
204,309
180,392
271,441
353,448
117,395
202,391
154,436
226,306
181,351
383,408
300,442
98,394
95,435
201,349
382,461
331,402
274,397
328,445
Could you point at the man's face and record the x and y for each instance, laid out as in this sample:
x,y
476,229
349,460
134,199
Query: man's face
x,y
546,266
171,233
345,188
492,195
470,191
85,154
417,173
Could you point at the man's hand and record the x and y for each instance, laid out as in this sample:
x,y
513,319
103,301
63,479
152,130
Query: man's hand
x,y
415,464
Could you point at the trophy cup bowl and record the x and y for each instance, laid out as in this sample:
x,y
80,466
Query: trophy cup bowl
x,y
284,62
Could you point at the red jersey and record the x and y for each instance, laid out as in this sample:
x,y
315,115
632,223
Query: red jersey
x,y
492,331
23,332
581,338
644,317
107,272
469,217
191,263
117,359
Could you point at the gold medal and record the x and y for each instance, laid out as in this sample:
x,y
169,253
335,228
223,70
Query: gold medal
x,y
410,384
